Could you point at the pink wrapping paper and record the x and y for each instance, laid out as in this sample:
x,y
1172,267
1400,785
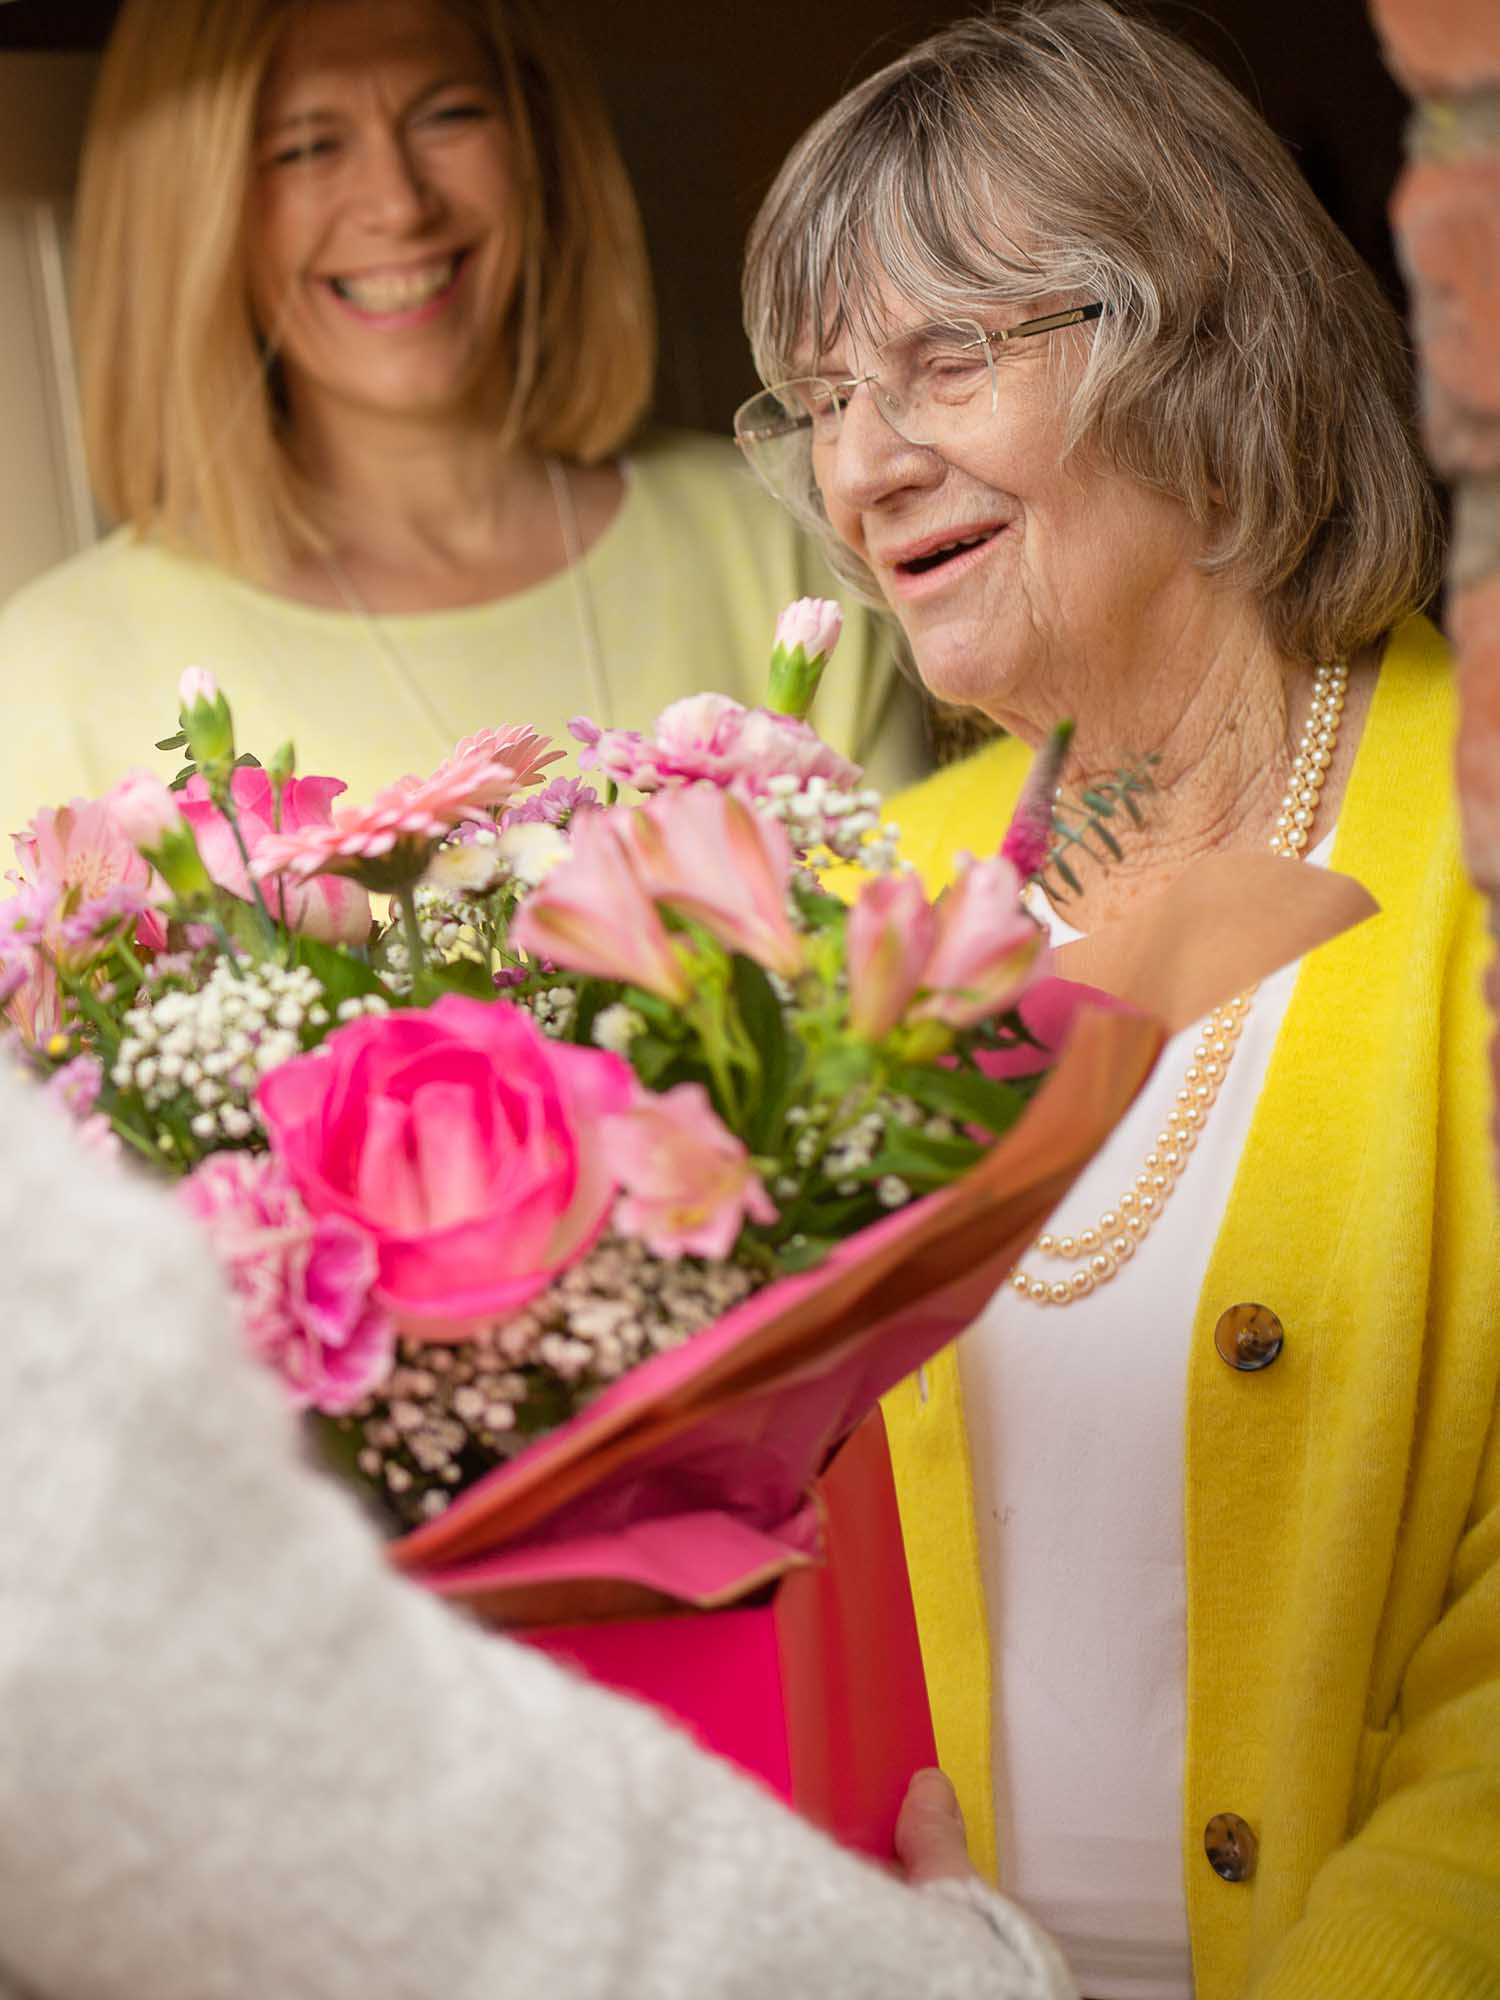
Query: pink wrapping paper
x,y
819,1693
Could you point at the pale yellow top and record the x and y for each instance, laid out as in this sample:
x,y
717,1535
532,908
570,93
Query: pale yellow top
x,y
684,587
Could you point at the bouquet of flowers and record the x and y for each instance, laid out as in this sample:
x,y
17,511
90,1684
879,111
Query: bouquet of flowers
x,y
579,1159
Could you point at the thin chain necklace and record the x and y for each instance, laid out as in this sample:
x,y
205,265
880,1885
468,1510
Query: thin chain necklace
x,y
1101,1251
583,611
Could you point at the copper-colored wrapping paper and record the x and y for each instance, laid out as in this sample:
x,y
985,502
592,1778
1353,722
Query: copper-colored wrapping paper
x,y
1228,922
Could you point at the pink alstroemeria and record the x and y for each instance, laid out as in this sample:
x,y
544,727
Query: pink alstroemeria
x,y
304,1284
92,923
29,991
988,948
387,844
709,737
710,856
890,935
81,851
327,906
594,914
688,1183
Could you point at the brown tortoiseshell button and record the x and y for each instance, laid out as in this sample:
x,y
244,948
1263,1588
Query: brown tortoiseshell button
x,y
1231,1847
1249,1337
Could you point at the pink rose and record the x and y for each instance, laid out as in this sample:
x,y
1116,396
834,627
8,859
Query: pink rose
x,y
689,1183
304,1284
463,1141
329,906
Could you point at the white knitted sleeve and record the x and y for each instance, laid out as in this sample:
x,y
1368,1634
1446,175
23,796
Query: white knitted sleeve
x,y
239,1758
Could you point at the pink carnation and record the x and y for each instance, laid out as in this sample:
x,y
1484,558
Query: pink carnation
x,y
689,1183
305,1285
326,906
708,736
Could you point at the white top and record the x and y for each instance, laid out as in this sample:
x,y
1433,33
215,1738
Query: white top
x,y
1075,1415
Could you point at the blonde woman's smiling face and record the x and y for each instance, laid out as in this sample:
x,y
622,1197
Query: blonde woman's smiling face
x,y
383,226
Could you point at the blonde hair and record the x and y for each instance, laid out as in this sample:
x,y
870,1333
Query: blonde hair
x,y
181,415
1246,362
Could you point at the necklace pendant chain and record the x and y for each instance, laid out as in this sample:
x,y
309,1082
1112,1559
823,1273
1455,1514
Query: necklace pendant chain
x,y
1100,1252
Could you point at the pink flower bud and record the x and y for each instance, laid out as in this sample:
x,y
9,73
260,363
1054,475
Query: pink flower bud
x,y
143,809
813,623
197,684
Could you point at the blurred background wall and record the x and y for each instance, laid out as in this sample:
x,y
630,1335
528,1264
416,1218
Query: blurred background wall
x,y
707,98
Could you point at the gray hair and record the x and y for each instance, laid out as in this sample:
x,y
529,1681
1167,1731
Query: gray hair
x,y
1246,364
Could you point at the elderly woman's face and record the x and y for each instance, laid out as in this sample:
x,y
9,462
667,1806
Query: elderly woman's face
x,y
382,226
1013,575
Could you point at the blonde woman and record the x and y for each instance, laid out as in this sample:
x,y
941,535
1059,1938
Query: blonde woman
x,y
365,329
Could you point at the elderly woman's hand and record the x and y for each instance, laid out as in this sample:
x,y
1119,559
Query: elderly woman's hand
x,y
930,1843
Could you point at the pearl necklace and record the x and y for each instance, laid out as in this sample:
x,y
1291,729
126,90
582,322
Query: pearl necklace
x,y
1099,1252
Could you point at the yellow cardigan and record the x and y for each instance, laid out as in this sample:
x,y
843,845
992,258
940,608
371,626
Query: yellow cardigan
x,y
1342,1505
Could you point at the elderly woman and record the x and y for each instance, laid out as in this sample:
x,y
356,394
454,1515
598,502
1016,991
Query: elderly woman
x,y
364,331
1204,1520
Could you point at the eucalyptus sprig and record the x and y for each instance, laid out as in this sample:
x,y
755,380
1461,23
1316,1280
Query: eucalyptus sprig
x,y
1080,825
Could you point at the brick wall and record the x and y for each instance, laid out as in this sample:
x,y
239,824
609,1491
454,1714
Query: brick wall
x,y
1446,212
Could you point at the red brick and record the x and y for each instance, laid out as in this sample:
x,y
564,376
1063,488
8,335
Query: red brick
x,y
1447,218
1440,46
1475,623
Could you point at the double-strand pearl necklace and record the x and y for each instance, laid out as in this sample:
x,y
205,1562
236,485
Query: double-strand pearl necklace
x,y
1099,1252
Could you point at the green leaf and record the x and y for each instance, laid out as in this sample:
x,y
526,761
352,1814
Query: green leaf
x,y
914,1156
964,1094
804,1253
463,975
1067,874
651,1058
173,742
842,1068
819,910
341,975
765,1024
